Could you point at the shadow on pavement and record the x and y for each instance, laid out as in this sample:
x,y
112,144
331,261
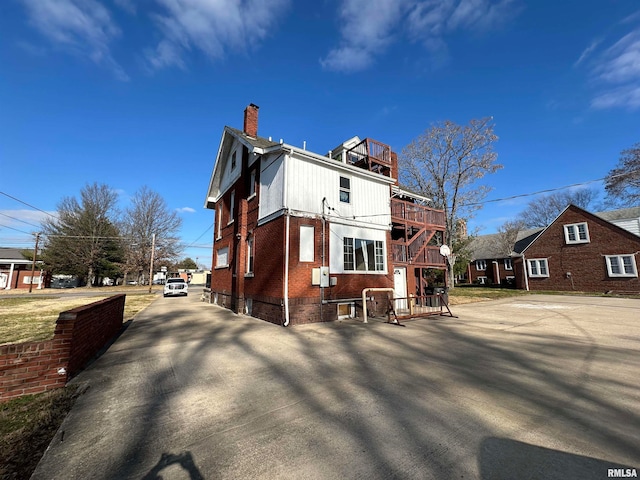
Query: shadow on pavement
x,y
502,458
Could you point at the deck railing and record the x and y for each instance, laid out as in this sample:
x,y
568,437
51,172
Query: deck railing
x,y
411,212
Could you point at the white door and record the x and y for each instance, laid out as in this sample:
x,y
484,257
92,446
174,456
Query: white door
x,y
3,280
400,287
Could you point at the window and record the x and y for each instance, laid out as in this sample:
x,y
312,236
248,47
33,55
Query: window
x,y
346,310
307,243
482,280
576,233
363,255
232,202
233,161
538,267
27,280
508,265
222,257
481,264
252,184
219,221
345,190
621,266
250,252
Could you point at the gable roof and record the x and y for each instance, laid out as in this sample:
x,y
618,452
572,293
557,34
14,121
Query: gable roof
x,y
620,214
587,214
484,247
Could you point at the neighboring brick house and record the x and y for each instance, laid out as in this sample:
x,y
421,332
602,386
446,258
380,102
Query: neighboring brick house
x,y
15,271
492,262
580,251
298,235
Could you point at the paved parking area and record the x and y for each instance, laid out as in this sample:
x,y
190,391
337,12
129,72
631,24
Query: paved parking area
x,y
531,387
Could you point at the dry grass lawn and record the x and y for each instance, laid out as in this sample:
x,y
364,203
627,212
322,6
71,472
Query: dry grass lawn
x,y
26,319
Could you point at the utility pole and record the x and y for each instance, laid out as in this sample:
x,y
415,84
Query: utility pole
x,y
33,264
153,249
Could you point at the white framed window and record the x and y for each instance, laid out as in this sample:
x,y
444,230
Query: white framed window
x,y
233,161
345,189
250,255
576,233
222,257
508,264
621,265
481,264
27,280
252,183
538,267
482,280
363,255
232,203
307,243
219,221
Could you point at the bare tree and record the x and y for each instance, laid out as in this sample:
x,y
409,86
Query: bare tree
x,y
623,182
149,215
445,163
508,236
543,210
83,239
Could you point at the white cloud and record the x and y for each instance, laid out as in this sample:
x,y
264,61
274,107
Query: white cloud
x,y
185,210
369,26
621,62
587,51
126,5
214,27
84,27
623,97
27,220
615,71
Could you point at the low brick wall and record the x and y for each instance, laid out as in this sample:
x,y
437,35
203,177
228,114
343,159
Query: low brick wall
x,y
80,333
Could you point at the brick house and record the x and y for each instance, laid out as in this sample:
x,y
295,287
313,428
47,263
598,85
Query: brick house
x,y
15,271
491,263
299,235
580,251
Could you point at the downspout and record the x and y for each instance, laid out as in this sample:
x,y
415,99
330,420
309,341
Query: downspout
x,y
496,271
286,242
8,287
324,199
524,269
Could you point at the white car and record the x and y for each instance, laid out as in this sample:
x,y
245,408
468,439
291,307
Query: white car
x,y
176,286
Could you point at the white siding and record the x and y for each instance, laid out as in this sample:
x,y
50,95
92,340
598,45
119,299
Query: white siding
x,y
230,176
336,248
632,225
310,182
271,186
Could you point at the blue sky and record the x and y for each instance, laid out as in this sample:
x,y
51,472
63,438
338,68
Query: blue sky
x,y
133,93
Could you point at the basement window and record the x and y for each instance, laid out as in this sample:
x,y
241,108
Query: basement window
x,y
346,310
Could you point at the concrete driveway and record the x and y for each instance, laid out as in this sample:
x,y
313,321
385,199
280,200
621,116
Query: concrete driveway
x,y
536,387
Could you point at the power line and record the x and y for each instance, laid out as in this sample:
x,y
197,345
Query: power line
x,y
549,190
18,220
201,235
27,204
11,228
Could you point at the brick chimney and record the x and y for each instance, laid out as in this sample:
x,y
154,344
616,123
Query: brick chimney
x,y
251,120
